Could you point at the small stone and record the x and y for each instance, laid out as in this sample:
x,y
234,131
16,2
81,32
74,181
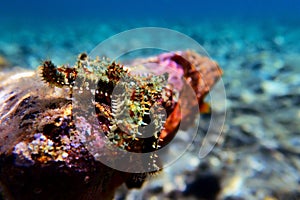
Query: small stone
x,y
232,185
274,88
248,96
64,154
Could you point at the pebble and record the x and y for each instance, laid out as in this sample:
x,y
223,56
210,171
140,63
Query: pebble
x,y
248,96
274,88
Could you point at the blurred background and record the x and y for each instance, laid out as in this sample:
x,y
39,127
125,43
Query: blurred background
x,y
256,43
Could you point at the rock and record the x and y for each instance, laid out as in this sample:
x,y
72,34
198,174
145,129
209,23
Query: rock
x,y
204,186
52,147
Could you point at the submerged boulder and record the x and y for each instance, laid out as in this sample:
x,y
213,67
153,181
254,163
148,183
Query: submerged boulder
x,y
60,126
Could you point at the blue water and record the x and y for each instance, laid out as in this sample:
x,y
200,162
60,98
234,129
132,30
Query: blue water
x,y
32,30
164,9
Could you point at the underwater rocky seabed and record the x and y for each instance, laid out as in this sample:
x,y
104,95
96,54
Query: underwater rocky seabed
x,y
258,154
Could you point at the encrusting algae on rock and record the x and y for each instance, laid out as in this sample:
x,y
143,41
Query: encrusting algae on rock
x,y
57,124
